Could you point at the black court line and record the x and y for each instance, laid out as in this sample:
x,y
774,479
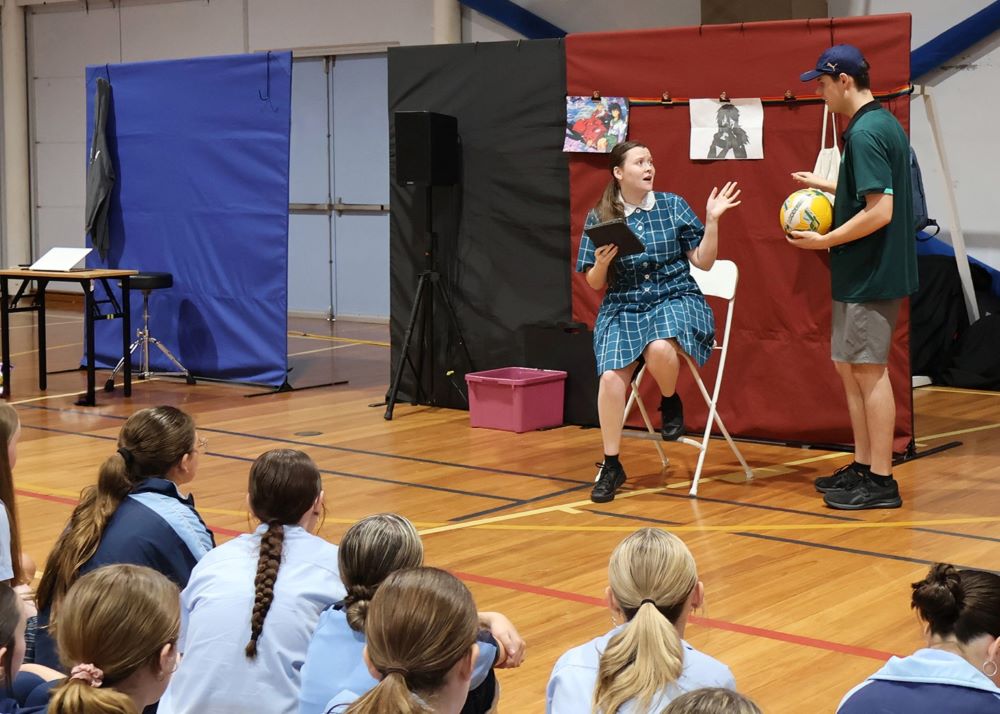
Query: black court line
x,y
759,506
513,503
510,501
504,507
794,541
345,449
658,521
829,516
856,551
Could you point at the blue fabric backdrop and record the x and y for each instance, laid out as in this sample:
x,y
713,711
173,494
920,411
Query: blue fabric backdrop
x,y
201,151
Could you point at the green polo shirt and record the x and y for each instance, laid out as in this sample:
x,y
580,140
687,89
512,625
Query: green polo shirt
x,y
876,159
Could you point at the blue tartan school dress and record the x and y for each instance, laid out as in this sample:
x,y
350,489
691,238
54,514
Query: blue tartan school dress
x,y
654,296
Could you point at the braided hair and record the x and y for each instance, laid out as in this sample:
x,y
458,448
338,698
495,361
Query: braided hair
x,y
370,550
284,485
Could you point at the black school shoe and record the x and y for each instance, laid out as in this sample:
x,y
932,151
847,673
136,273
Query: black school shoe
x,y
865,494
843,479
609,480
672,413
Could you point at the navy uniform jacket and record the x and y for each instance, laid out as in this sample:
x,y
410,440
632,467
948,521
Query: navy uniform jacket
x,y
156,527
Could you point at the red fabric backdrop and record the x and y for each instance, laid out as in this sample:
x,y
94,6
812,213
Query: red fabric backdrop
x,y
779,383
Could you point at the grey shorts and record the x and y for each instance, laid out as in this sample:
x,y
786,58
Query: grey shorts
x,y
862,331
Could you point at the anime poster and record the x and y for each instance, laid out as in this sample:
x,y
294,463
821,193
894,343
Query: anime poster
x,y
595,125
727,130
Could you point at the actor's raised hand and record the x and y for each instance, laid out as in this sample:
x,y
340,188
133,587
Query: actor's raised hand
x,y
721,201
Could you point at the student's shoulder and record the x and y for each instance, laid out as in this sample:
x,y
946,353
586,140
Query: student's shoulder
x,y
705,667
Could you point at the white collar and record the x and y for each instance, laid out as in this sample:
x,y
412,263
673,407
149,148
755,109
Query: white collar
x,y
648,202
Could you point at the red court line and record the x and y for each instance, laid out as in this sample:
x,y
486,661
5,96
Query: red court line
x,y
73,502
705,621
598,602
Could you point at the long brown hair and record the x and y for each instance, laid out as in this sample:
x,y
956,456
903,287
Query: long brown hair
x,y
117,618
371,549
284,484
421,622
150,443
9,424
10,620
651,574
610,207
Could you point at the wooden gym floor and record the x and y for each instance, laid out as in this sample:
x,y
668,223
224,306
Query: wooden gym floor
x,y
802,602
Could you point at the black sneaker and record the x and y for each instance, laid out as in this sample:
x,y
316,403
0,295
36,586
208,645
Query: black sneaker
x,y
865,494
672,412
609,480
843,479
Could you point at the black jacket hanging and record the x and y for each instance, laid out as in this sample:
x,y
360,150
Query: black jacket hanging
x,y
100,172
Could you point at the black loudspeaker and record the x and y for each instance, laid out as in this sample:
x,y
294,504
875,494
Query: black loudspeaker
x,y
569,347
426,149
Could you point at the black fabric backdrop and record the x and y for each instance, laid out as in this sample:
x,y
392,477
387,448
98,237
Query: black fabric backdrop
x,y
501,246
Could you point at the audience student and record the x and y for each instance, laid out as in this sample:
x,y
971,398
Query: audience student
x,y
252,604
16,567
370,550
19,680
712,700
117,634
10,534
135,514
643,663
958,670
421,629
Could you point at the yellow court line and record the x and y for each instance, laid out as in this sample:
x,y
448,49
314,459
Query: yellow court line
x,y
957,432
47,396
321,349
628,494
47,348
331,338
47,324
956,390
763,472
533,512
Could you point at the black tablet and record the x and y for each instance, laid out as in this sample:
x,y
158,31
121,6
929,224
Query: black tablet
x,y
617,232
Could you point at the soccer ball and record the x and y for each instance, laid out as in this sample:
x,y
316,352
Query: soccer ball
x,y
807,209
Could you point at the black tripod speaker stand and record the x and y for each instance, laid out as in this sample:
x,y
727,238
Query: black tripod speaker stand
x,y
429,284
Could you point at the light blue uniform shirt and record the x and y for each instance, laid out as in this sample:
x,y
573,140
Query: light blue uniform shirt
x,y
214,674
926,682
6,566
335,667
571,686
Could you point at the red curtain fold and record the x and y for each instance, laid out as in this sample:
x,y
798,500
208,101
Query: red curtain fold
x,y
779,383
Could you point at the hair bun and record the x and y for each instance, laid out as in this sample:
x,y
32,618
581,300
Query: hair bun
x,y
940,597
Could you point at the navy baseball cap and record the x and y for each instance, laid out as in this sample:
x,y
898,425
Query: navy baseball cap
x,y
839,58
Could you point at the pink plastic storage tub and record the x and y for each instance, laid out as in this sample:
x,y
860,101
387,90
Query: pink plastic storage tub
x,y
516,398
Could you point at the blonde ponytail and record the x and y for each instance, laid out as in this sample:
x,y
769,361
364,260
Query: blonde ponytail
x,y
638,662
652,575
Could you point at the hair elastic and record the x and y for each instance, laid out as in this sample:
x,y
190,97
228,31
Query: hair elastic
x,y
127,455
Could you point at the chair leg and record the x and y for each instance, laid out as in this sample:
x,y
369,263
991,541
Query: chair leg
x,y
649,428
635,400
713,417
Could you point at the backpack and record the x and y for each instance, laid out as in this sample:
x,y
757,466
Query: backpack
x,y
920,218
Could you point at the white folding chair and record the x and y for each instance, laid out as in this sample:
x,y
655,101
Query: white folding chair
x,y
719,282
